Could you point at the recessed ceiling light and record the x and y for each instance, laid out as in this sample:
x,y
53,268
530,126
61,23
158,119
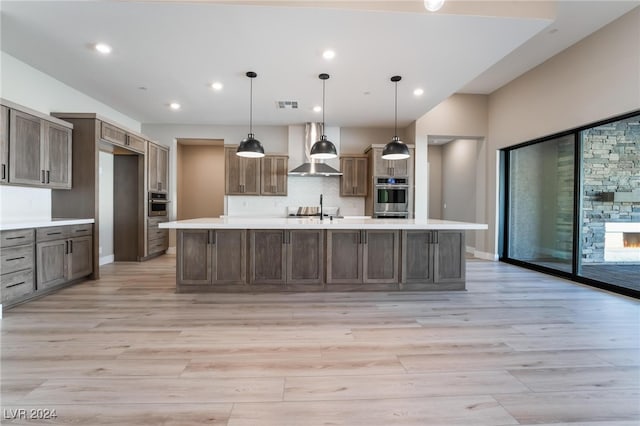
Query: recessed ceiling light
x,y
317,108
216,86
103,48
174,105
418,92
328,54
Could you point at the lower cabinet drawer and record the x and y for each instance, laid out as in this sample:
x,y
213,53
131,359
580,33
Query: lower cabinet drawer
x,y
80,230
155,233
16,284
52,233
16,237
16,258
158,245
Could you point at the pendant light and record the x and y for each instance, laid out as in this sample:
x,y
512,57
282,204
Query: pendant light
x,y
250,147
395,150
433,5
323,149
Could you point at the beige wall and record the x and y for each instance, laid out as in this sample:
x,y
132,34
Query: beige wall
x,y
435,181
354,140
200,181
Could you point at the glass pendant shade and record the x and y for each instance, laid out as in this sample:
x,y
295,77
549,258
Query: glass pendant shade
x,y
395,150
323,149
250,148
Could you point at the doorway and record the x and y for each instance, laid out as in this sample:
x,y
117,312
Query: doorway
x,y
200,178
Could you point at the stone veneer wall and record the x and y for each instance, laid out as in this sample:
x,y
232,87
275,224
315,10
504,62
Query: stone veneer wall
x,y
611,163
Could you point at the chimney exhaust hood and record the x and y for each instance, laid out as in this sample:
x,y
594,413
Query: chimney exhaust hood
x,y
311,167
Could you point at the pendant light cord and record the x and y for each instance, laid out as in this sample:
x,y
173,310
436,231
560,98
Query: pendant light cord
x,y
395,132
323,82
251,106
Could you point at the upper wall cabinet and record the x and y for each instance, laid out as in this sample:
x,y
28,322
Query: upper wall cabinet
x,y
4,144
118,136
158,168
274,175
242,175
353,182
394,168
39,151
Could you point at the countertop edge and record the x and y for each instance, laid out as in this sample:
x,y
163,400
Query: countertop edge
x,y
43,223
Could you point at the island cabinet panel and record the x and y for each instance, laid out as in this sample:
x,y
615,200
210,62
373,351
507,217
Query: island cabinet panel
x,y
210,258
381,255
417,256
450,250
305,253
194,257
344,256
267,259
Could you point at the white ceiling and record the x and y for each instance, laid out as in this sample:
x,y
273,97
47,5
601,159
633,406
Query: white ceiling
x,y
176,50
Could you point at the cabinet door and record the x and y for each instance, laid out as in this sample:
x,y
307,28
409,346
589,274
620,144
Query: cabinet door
x,y
250,169
80,257
194,257
267,259
353,182
380,166
51,264
163,169
152,167
274,178
113,134
360,184
233,179
305,251
136,143
381,256
449,256
25,145
398,167
242,175
347,167
58,156
4,144
344,257
417,257
229,263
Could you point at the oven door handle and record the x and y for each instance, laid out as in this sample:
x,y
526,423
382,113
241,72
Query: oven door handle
x,y
392,186
159,201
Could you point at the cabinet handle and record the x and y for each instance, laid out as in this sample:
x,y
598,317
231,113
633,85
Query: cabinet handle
x,y
48,176
81,230
70,246
435,237
66,247
15,258
213,237
15,238
54,233
4,171
42,180
16,284
364,237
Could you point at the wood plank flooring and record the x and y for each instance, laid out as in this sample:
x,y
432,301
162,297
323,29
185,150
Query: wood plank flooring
x,y
517,348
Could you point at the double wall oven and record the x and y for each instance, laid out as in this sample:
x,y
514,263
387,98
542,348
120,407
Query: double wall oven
x,y
391,197
158,203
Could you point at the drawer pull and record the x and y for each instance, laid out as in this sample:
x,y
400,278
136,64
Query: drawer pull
x,y
81,230
54,233
16,238
15,258
16,284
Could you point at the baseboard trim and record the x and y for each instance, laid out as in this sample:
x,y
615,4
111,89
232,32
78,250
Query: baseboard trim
x,y
106,259
486,256
171,250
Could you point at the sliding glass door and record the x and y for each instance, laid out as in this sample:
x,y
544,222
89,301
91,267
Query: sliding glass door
x,y
571,204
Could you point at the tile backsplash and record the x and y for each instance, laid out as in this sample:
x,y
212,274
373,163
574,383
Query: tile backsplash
x,y
302,191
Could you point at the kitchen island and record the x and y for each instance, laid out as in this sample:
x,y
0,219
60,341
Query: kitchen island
x,y
235,254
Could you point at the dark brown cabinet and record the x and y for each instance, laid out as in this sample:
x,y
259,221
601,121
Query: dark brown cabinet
x,y
274,177
4,144
211,257
63,254
39,152
242,175
157,168
433,257
17,265
117,136
359,256
353,182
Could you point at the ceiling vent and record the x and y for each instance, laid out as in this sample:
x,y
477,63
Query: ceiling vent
x,y
287,104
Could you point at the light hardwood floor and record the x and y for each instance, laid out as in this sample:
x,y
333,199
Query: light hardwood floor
x,y
517,348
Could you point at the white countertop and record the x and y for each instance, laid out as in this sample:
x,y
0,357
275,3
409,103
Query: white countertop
x,y
316,223
41,223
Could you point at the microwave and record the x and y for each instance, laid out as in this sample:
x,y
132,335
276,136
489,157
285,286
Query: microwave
x,y
158,204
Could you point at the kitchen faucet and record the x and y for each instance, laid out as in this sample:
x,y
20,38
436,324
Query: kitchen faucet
x,y
321,212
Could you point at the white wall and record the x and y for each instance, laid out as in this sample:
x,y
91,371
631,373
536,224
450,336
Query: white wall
x,y
105,188
26,86
435,181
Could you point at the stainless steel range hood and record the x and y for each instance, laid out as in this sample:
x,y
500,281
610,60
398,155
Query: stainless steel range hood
x,y
311,167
